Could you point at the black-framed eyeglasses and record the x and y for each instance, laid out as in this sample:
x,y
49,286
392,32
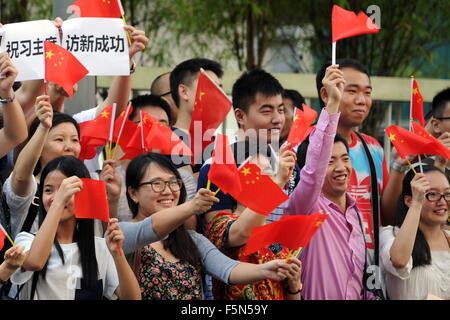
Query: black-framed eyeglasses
x,y
443,118
159,185
165,94
434,196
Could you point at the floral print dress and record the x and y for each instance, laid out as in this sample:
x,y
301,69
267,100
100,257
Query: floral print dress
x,y
164,280
217,232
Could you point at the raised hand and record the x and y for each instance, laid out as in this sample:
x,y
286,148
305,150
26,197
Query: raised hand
x,y
8,74
44,111
286,162
334,82
67,190
138,40
112,178
419,186
14,257
114,237
203,201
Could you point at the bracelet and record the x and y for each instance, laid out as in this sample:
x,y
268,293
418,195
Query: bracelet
x,y
397,167
6,101
296,292
133,68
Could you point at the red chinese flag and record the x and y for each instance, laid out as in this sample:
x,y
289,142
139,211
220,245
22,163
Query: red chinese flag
x,y
347,24
292,232
417,104
136,144
258,191
407,142
61,67
161,137
210,110
436,147
95,133
124,128
98,8
223,171
92,202
301,124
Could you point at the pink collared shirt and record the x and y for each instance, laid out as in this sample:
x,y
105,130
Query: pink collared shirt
x,y
333,261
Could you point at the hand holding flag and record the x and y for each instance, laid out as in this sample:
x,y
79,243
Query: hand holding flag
x,y
4,234
301,124
62,67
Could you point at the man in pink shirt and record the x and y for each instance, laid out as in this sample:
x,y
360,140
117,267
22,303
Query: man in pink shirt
x,y
333,262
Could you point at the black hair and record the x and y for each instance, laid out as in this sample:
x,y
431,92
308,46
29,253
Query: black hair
x,y
149,100
421,254
303,149
439,102
249,84
179,241
84,229
187,71
343,63
58,118
295,96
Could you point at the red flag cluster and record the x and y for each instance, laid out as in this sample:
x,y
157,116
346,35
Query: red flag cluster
x,y
92,202
301,124
347,24
292,232
61,67
417,142
210,110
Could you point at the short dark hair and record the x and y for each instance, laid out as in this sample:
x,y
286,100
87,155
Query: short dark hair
x,y
439,102
186,71
303,149
295,96
249,84
152,100
343,63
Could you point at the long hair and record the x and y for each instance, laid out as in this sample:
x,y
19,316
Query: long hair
x,y
179,241
58,118
84,229
421,253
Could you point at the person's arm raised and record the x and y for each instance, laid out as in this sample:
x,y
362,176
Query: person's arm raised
x,y
14,129
22,175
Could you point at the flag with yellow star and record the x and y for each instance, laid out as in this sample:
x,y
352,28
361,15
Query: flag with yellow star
x,y
62,67
96,132
437,147
258,191
211,107
417,104
411,143
292,232
98,8
301,124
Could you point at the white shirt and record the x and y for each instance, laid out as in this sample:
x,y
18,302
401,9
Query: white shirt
x,y
414,284
62,280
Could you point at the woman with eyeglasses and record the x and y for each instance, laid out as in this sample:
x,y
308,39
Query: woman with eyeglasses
x,y
416,251
168,260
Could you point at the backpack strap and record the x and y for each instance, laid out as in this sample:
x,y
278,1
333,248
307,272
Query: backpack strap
x,y
375,203
31,215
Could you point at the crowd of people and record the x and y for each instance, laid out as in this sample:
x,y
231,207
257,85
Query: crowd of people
x,y
171,237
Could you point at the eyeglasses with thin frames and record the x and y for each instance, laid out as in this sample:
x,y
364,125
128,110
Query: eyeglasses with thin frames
x,y
443,118
159,185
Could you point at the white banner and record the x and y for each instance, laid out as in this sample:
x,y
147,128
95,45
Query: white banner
x,y
100,44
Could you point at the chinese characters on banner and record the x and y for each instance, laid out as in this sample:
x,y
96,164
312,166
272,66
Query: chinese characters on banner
x,y
100,44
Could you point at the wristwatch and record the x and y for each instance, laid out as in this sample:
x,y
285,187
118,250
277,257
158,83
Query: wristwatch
x,y
6,101
397,167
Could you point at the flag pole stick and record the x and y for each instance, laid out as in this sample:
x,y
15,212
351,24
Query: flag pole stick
x,y
128,34
121,129
411,166
208,184
217,191
333,53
